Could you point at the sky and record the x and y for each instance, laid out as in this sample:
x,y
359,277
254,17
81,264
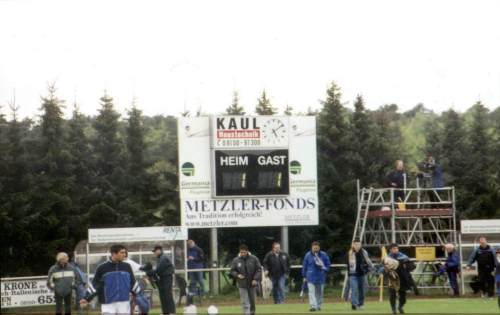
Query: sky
x,y
176,55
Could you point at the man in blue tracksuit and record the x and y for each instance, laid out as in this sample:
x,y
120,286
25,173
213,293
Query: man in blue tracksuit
x,y
451,267
113,282
196,260
314,269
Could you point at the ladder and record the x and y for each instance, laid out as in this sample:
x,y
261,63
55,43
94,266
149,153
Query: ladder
x,y
363,208
359,228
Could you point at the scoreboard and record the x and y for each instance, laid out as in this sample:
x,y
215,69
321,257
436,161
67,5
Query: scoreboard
x,y
250,157
251,173
247,171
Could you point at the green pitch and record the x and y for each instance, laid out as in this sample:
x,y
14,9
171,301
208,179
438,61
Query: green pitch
x,y
415,306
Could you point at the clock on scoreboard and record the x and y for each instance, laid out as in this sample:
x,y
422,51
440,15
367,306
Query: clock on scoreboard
x,y
251,172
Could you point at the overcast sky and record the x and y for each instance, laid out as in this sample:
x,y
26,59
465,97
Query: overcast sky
x,y
176,54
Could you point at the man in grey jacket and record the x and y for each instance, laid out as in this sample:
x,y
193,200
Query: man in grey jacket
x,y
62,279
247,270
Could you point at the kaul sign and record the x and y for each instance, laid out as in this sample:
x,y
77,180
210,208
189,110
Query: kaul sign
x,y
240,171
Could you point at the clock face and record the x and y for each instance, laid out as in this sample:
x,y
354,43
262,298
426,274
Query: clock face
x,y
274,131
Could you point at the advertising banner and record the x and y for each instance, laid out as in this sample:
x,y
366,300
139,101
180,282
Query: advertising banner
x,y
26,292
137,234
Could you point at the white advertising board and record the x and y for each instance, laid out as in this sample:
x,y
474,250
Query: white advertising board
x,y
480,226
240,171
138,234
26,292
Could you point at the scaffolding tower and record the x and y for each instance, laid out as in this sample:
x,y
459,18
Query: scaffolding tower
x,y
423,217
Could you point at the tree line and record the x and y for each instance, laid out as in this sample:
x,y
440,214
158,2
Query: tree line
x,y
59,177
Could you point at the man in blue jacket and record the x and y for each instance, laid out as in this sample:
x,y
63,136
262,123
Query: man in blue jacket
x,y
196,260
451,267
113,282
314,270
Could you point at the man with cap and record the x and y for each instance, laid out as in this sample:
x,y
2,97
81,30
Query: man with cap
x,y
164,271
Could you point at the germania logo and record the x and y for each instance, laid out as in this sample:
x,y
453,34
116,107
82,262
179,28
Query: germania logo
x,y
187,169
295,167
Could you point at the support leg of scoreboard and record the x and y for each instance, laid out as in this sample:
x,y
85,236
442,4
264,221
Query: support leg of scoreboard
x,y
214,275
284,239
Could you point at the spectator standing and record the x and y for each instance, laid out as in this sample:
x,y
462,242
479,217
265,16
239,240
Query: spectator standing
x,y
277,267
452,267
196,260
358,265
397,180
247,271
113,282
315,267
62,279
402,271
164,272
486,263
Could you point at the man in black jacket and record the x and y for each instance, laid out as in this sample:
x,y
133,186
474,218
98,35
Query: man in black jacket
x,y
246,269
396,179
486,264
164,272
277,266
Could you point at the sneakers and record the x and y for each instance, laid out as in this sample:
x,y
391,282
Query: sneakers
x,y
353,307
401,310
312,309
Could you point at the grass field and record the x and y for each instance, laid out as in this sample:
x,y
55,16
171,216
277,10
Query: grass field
x,y
414,306
420,306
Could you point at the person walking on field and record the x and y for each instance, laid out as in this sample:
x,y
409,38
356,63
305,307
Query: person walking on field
x,y
314,270
398,267
358,265
277,266
113,282
196,260
62,279
247,271
486,264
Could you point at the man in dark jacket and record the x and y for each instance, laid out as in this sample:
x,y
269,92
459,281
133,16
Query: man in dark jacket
x,y
246,269
396,179
486,264
403,272
277,267
113,282
164,272
196,260
62,279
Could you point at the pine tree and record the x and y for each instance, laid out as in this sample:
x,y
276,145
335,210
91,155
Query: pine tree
x,y
107,144
110,162
453,146
235,108
264,106
335,180
479,170
362,140
51,208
